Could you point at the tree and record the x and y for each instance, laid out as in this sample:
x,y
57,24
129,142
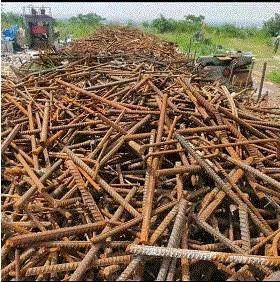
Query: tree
x,y
162,25
272,26
73,20
93,18
129,23
194,19
145,24
90,19
9,18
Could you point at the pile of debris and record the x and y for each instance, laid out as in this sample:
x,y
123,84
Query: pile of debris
x,y
126,164
14,64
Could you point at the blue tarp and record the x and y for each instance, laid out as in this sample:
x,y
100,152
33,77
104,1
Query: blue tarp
x,y
10,33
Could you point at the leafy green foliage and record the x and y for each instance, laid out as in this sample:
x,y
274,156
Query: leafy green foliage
x,y
77,30
79,26
190,24
9,18
90,18
194,19
145,24
130,23
272,26
162,24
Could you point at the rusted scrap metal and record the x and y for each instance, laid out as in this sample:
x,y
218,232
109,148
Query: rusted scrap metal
x,y
125,163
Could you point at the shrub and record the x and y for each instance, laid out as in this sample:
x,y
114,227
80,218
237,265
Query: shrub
x,y
145,24
230,30
9,18
272,26
194,19
162,25
90,18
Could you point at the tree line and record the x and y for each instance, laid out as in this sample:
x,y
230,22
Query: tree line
x,y
192,23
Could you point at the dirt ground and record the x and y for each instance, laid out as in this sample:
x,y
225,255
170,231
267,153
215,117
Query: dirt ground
x,y
272,89
272,64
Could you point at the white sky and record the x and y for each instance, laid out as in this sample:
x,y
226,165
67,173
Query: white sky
x,y
254,12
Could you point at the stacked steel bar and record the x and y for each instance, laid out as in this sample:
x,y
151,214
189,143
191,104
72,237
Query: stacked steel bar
x,y
125,164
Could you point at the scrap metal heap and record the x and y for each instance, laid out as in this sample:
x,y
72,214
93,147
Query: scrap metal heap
x,y
124,164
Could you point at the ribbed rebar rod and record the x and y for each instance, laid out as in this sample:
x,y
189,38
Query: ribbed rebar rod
x,y
60,127
147,210
163,225
82,244
94,96
32,137
10,138
84,264
52,234
204,255
174,238
73,265
130,268
210,171
86,196
147,175
26,196
80,163
45,124
244,228
252,170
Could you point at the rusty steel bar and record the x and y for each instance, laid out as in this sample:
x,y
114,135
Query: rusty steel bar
x,y
10,138
204,255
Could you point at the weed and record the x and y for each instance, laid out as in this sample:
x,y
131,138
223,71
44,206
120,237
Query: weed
x,y
274,76
76,29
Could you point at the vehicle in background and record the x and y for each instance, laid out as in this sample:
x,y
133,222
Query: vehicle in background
x,y
39,27
229,66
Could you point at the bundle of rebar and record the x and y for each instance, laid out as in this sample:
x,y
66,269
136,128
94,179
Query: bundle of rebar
x,y
125,164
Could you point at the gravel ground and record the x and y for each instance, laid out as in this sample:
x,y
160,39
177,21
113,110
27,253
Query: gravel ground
x,y
270,89
15,60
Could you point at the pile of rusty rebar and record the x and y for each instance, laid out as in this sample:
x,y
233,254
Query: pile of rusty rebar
x,y
125,164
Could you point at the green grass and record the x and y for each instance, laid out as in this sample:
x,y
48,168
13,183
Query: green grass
x,y
258,44
260,47
274,76
78,30
183,41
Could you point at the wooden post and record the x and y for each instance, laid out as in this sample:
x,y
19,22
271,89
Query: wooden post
x,y
250,73
262,80
194,56
189,51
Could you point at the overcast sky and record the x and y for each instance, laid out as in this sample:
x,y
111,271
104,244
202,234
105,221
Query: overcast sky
x,y
254,12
